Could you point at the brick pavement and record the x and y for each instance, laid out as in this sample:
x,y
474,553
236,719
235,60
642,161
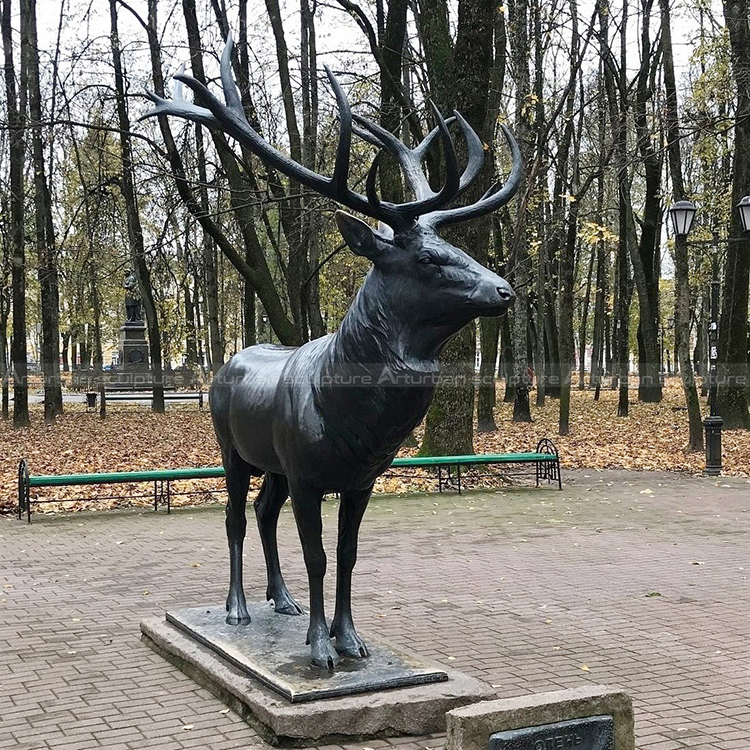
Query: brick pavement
x,y
527,590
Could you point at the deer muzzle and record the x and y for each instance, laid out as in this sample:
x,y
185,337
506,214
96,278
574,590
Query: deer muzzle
x,y
492,296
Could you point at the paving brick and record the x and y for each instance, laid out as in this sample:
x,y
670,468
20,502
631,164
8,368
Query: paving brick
x,y
447,576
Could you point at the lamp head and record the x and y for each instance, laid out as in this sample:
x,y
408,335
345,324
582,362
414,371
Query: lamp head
x,y
744,208
682,214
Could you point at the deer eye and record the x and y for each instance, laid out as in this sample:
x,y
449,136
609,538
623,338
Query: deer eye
x,y
432,260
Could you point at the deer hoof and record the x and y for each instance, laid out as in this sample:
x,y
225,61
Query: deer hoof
x,y
238,619
323,653
284,603
237,613
348,643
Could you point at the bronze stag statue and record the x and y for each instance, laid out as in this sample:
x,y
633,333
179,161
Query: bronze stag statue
x,y
330,415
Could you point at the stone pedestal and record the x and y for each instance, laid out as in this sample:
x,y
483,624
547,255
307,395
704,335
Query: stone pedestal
x,y
263,672
133,372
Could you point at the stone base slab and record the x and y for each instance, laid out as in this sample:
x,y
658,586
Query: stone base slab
x,y
272,649
415,710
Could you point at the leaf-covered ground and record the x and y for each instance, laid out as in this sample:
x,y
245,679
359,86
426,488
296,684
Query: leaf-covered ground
x,y
652,438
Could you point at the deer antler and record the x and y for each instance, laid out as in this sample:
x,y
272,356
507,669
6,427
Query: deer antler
x,y
230,118
493,199
411,159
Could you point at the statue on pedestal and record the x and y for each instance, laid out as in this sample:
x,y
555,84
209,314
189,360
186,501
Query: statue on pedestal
x,y
132,299
330,415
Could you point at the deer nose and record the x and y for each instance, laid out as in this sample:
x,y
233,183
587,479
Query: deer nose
x,y
506,294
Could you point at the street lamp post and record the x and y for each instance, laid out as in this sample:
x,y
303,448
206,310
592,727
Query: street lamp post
x,y
682,214
713,422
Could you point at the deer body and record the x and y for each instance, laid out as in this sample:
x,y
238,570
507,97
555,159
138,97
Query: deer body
x,y
330,415
358,392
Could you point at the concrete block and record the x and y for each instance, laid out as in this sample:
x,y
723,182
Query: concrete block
x,y
470,727
414,710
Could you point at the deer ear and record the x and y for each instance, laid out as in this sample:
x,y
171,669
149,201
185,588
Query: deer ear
x,y
358,235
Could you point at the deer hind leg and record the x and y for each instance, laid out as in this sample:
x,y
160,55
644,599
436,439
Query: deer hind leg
x,y
351,510
306,504
268,504
238,480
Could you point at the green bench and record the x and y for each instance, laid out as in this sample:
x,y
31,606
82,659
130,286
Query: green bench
x,y
545,460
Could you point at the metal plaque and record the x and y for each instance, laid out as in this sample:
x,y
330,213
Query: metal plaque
x,y
591,733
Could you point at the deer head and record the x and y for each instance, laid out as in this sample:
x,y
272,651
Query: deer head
x,y
433,281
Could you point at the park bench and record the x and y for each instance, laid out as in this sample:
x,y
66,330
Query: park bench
x,y
545,459
449,468
135,397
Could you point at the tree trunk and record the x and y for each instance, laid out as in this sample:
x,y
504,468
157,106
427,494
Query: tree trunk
x,y
249,334
489,334
682,267
583,330
210,278
542,363
4,370
98,354
135,232
732,396
565,314
191,347
645,256
45,232
449,427
569,175
16,131
298,269
618,120
520,49
506,358
65,347
597,345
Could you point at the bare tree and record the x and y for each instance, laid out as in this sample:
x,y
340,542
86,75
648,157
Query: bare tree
x,y
135,231
44,225
16,104
732,396
681,264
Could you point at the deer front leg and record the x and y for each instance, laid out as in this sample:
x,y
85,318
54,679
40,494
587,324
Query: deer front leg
x,y
351,510
238,480
306,505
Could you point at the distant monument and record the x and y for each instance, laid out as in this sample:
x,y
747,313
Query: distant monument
x,y
132,299
133,372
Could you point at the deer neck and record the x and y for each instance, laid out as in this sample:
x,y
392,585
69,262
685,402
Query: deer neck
x,y
373,333
375,384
